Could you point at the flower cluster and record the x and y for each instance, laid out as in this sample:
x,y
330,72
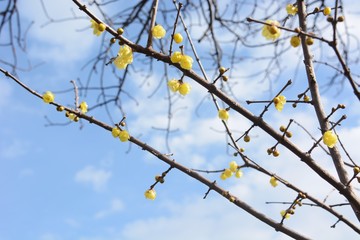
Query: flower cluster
x,y
158,32
279,102
184,60
123,135
178,85
150,194
233,168
271,32
223,114
98,28
48,97
329,139
124,57
72,116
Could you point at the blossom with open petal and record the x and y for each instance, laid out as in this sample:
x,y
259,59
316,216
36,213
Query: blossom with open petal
x,y
271,32
124,57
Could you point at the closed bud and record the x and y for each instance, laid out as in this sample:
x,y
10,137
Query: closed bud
x,y
120,31
330,19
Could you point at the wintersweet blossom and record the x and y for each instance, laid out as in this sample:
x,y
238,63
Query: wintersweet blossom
x,y
83,107
115,132
174,85
223,114
291,9
176,57
271,32
329,139
178,38
273,181
238,173
279,102
295,41
124,136
186,62
98,27
285,214
233,166
150,194
184,88
124,57
48,97
158,32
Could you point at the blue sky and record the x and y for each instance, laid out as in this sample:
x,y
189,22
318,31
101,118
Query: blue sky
x,y
63,182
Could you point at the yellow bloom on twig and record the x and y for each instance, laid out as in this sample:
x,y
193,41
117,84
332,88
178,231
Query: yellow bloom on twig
x,y
223,114
174,85
329,139
124,136
279,102
83,107
48,97
158,32
273,181
291,9
150,194
98,28
271,32
124,57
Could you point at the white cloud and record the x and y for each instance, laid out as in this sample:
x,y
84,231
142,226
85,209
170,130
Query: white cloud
x,y
14,149
58,41
116,206
98,178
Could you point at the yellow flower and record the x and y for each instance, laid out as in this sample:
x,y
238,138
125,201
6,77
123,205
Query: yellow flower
x,y
295,41
309,41
83,107
291,9
271,32
158,32
273,181
115,132
124,57
223,114
124,136
223,176
238,173
233,166
184,88
176,57
178,38
186,62
228,173
329,139
279,102
71,116
98,27
327,11
285,214
48,97
150,194
174,85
